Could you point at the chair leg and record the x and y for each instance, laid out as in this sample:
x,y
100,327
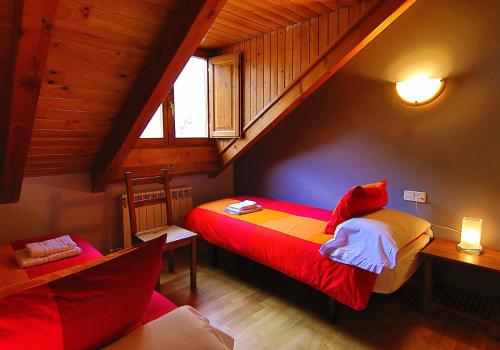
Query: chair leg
x,y
215,256
170,261
332,310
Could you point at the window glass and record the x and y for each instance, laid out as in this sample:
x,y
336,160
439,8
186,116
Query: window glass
x,y
191,100
154,130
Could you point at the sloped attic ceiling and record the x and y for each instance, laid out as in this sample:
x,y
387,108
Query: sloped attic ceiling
x,y
82,81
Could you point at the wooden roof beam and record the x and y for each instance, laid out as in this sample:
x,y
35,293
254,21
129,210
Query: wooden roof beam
x,y
342,51
181,38
32,30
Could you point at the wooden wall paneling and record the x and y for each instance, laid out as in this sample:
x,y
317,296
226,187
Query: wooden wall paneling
x,y
274,65
281,60
247,77
354,12
180,161
347,36
323,33
183,34
260,73
343,19
267,68
31,44
253,78
314,39
333,26
296,46
288,55
305,44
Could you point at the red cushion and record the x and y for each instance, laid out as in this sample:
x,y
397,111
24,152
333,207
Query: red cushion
x,y
84,310
358,201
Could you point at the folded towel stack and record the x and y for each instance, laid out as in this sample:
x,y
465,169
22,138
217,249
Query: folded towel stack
x,y
245,207
39,253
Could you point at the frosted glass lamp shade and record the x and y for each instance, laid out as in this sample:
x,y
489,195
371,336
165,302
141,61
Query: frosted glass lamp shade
x,y
470,240
419,91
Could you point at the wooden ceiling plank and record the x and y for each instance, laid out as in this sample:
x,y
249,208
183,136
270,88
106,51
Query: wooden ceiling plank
x,y
77,134
180,39
333,4
55,158
226,35
137,10
32,39
114,27
64,141
283,11
50,114
256,17
230,26
261,12
315,6
72,125
88,81
297,8
243,21
362,32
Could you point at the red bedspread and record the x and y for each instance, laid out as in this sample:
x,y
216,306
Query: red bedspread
x,y
158,305
285,237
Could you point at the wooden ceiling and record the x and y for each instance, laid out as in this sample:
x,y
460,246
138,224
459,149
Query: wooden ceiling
x,y
243,19
78,87
97,51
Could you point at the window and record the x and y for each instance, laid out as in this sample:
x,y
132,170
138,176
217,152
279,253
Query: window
x,y
154,130
191,100
183,116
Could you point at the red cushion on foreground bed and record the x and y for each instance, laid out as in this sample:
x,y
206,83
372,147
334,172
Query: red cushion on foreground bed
x,y
84,310
358,201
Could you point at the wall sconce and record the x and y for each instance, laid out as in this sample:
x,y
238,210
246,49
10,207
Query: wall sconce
x,y
470,241
420,90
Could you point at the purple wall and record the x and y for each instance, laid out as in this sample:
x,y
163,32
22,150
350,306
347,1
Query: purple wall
x,y
354,129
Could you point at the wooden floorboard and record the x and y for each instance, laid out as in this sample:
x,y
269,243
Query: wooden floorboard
x,y
264,310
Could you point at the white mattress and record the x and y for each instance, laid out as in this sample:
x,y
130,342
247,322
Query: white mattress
x,y
407,263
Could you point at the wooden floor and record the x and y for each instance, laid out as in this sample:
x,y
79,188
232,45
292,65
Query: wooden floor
x,y
263,310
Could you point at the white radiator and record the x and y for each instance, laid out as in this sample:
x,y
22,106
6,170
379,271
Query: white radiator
x,y
152,216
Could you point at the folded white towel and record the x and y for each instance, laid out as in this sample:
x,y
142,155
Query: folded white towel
x,y
245,205
24,260
241,212
50,246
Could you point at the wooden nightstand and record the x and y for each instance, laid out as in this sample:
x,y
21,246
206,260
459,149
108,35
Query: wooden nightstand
x,y
480,308
177,237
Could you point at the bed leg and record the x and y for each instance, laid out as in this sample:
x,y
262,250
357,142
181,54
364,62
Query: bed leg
x,y
332,310
215,256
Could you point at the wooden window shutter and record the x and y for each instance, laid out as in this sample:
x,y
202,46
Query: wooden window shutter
x,y
224,96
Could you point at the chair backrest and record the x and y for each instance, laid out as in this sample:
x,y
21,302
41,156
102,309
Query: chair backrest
x,y
131,181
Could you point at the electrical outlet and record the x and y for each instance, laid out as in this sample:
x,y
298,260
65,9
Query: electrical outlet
x,y
415,196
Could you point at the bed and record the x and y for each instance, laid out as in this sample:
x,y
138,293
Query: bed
x,y
10,273
287,237
90,301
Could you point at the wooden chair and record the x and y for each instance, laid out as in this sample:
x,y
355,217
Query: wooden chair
x,y
130,182
176,236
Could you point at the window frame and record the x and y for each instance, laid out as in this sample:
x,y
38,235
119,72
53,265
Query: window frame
x,y
169,138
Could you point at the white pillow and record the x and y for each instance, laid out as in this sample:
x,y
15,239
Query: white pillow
x,y
183,328
372,242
